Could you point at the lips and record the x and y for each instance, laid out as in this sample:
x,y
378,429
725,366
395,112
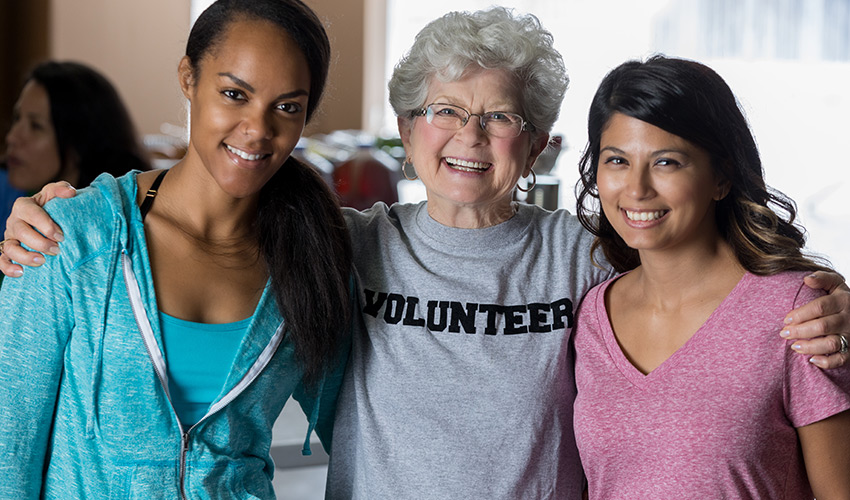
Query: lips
x,y
13,161
462,165
645,215
246,155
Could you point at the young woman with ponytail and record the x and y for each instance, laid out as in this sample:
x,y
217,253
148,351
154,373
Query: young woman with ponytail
x,y
151,358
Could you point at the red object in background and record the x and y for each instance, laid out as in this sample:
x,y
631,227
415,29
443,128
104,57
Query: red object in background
x,y
364,179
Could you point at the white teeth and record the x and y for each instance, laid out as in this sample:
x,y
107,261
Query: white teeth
x,y
467,166
243,154
645,216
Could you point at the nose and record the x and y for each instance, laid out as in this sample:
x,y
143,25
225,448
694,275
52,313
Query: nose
x,y
258,124
639,183
470,133
12,135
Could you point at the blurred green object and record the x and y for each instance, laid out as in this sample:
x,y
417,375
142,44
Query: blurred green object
x,y
392,146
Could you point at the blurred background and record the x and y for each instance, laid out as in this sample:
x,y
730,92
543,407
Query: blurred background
x,y
788,61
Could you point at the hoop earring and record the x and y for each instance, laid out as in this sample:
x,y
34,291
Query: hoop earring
x,y
533,183
404,170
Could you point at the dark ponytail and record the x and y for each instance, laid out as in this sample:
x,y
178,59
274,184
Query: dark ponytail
x,y
302,234
304,240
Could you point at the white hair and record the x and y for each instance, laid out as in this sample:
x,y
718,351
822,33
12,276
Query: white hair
x,y
496,38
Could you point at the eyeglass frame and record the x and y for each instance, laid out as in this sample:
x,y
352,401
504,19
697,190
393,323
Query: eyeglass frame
x,y
526,126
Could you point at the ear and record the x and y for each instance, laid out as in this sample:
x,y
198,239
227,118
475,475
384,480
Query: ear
x,y
185,77
722,189
538,145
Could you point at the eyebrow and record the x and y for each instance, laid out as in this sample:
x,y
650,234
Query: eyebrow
x,y
250,88
613,150
504,106
654,153
32,115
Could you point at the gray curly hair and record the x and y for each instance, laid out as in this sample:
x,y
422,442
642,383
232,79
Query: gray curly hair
x,y
494,38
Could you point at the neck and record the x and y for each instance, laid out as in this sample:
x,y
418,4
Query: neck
x,y
193,201
471,216
675,279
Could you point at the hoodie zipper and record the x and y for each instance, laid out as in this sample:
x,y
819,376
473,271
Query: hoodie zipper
x,y
158,360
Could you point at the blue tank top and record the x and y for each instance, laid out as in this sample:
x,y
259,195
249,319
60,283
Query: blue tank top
x,y
198,358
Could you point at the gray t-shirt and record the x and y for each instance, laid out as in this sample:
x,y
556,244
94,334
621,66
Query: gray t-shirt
x,y
460,384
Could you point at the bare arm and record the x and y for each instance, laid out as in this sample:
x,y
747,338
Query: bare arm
x,y
826,452
27,223
816,326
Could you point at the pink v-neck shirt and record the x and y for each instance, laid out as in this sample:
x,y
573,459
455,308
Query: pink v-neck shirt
x,y
717,419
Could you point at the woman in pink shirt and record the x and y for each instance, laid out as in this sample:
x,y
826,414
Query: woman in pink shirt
x,y
672,187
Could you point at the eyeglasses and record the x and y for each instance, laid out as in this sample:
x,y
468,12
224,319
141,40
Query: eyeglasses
x,y
495,123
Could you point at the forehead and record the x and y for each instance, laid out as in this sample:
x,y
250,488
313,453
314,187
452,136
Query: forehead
x,y
255,46
34,99
628,130
477,88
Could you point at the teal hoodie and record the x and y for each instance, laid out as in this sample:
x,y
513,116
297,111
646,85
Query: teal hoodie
x,y
84,410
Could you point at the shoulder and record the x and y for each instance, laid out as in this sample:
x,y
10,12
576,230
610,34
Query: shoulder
x,y
596,295
91,218
565,234
558,223
786,288
379,213
544,216
93,203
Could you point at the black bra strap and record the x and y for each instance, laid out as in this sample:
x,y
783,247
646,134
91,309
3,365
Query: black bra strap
x,y
147,203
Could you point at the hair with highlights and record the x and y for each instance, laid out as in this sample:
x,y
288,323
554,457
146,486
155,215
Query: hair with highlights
x,y
692,101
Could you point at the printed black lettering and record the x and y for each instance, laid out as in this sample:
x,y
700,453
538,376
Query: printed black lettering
x,y
373,303
410,318
394,309
537,318
514,320
432,315
461,316
562,310
492,311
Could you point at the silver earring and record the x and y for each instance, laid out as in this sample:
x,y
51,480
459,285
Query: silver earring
x,y
533,183
404,170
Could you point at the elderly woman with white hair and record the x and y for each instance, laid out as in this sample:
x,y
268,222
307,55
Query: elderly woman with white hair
x,y
460,382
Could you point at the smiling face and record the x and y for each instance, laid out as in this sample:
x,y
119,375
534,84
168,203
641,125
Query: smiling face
x,y
657,189
249,106
32,151
467,168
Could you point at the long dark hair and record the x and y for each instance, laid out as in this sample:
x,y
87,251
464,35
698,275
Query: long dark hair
x,y
301,232
692,101
92,126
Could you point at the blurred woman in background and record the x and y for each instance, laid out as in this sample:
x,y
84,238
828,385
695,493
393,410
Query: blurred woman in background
x,y
69,124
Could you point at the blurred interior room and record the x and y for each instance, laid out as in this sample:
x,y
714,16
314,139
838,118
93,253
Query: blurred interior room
x,y
788,61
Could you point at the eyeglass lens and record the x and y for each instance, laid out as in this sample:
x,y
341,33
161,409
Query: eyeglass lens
x,y
495,123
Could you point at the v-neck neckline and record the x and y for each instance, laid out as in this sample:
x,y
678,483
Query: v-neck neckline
x,y
629,370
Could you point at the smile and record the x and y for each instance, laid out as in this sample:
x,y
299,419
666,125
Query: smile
x,y
244,155
467,166
645,216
